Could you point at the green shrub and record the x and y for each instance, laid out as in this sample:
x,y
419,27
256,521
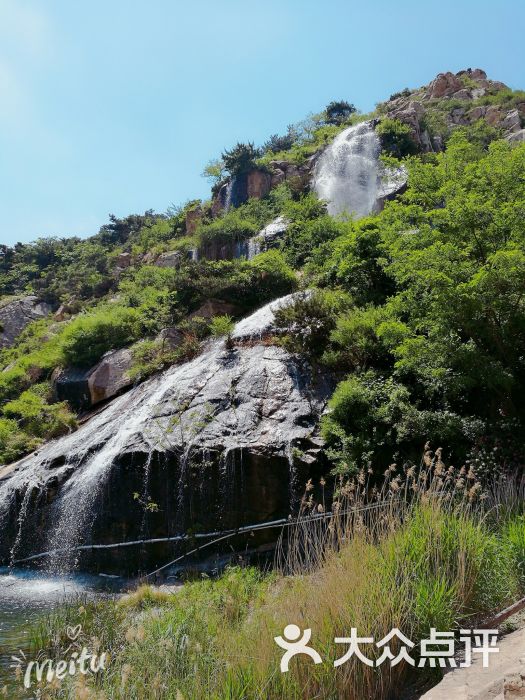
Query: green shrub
x,y
308,321
241,158
14,442
337,112
396,138
221,326
153,355
37,415
270,277
230,228
89,336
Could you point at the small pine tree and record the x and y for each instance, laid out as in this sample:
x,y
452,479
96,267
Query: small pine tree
x,y
338,112
241,158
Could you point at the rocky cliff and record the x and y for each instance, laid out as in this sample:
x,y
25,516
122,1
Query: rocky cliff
x,y
224,440
452,100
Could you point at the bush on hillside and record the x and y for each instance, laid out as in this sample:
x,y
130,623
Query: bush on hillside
x,y
241,158
89,336
396,138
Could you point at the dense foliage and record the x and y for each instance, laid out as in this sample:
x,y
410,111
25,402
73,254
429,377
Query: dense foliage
x,y
434,347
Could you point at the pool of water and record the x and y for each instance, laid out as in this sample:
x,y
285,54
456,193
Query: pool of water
x,y
26,595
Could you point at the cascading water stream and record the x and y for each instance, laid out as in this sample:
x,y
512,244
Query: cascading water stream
x,y
347,174
75,513
228,197
174,413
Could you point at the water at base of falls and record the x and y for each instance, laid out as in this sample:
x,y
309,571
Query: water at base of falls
x,y
347,175
26,596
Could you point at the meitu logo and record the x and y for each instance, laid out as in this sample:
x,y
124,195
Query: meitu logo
x,y
75,659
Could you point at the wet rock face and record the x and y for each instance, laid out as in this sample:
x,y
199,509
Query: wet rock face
x,y
297,175
393,183
17,314
224,440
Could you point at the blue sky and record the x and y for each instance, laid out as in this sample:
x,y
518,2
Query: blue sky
x,y
117,105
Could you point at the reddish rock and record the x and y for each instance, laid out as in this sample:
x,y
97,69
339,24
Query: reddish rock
x,y
124,260
110,375
193,218
62,312
443,85
259,184
149,258
85,388
172,337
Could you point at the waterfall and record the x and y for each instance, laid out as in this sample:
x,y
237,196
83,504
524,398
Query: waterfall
x,y
346,175
164,414
254,247
268,238
76,507
228,196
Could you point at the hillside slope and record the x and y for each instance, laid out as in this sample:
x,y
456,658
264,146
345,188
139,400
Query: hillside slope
x,y
417,309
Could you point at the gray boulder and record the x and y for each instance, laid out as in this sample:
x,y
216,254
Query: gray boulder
x,y
268,238
172,258
15,315
393,182
517,136
84,388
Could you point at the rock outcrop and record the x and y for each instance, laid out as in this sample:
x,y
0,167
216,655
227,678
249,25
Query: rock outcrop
x,y
393,182
193,218
124,260
463,90
214,307
16,314
173,259
226,439
86,388
502,679
298,176
258,184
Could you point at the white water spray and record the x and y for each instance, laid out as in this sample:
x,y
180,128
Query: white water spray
x,y
347,174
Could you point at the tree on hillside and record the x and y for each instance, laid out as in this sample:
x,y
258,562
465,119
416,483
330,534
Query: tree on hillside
x,y
338,112
278,143
119,230
241,158
214,171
